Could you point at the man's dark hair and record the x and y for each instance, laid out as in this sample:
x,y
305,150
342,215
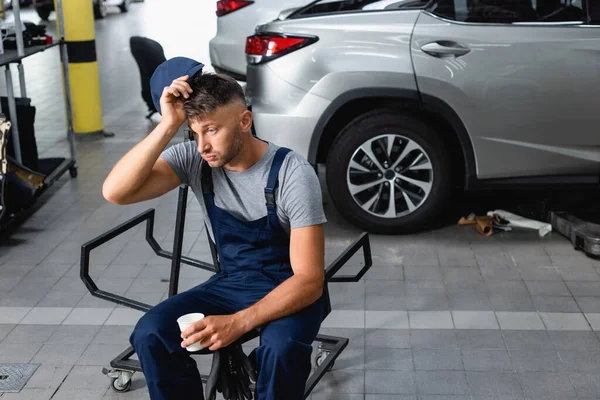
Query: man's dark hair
x,y
210,91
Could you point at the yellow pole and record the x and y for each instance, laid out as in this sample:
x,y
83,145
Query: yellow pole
x,y
84,81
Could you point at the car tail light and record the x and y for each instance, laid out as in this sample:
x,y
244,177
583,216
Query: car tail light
x,y
228,6
265,47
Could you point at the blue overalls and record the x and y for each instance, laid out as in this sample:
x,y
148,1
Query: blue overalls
x,y
254,259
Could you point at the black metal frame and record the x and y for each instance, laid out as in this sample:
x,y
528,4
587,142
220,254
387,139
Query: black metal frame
x,y
333,344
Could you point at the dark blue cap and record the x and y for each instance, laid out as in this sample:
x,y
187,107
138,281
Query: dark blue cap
x,y
168,71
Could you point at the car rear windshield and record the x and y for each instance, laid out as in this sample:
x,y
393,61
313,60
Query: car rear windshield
x,y
322,7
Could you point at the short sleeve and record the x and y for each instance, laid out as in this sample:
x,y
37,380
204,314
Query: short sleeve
x,y
182,158
300,196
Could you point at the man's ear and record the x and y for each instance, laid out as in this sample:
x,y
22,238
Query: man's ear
x,y
246,121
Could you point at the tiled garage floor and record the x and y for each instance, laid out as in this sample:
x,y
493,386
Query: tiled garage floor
x,y
442,315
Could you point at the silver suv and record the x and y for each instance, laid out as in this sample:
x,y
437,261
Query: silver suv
x,y
403,101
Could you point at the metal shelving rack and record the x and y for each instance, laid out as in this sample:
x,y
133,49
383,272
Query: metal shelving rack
x,y
13,56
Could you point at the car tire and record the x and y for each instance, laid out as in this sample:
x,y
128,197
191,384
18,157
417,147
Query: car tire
x,y
124,6
422,177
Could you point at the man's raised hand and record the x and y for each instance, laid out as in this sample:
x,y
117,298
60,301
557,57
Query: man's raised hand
x,y
171,102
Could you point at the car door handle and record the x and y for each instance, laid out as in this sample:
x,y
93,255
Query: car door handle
x,y
444,48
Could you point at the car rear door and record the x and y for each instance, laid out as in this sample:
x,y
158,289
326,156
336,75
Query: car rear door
x,y
523,77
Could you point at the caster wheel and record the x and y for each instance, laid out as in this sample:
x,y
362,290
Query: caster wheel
x,y
116,384
73,172
321,356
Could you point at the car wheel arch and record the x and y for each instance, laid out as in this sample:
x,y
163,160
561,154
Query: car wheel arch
x,y
350,105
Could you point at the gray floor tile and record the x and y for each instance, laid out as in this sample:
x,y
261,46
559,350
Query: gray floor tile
x,y
352,358
332,396
580,289
376,302
565,321
515,303
30,394
424,287
520,321
346,381
101,354
542,272
427,302
442,397
5,329
462,274
537,361
564,340
59,354
390,382
438,359
430,320
586,384
486,360
394,359
348,296
480,339
475,320
580,360
84,377
594,320
87,316
48,376
47,269
386,320
124,316
69,394
547,384
518,340
423,273
589,304
423,260
30,334
469,301
494,383
60,299
18,352
454,258
441,382
74,334
544,288
344,319
556,304
46,316
388,338
385,273
389,397
433,339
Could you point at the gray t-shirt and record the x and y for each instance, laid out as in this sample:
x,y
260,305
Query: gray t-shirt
x,y
298,197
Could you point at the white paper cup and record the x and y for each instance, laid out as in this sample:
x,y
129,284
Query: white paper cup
x,y
186,320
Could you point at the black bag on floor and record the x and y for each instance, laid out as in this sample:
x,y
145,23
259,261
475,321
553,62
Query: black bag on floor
x,y
148,55
25,121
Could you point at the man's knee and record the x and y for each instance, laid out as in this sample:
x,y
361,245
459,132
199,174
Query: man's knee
x,y
147,332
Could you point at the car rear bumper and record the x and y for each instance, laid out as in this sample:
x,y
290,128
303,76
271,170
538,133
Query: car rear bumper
x,y
283,113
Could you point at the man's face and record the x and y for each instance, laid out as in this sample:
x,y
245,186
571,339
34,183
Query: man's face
x,y
220,134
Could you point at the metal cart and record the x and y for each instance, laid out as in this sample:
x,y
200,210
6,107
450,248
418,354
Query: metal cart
x,y
54,167
123,367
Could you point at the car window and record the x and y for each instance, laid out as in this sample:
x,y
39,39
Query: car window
x,y
339,6
510,11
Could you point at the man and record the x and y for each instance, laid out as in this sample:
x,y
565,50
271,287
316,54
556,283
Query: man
x,y
264,210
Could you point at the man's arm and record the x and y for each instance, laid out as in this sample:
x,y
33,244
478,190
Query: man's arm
x,y
141,175
307,254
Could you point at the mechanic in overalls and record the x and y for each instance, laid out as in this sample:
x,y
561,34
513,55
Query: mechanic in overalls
x,y
263,207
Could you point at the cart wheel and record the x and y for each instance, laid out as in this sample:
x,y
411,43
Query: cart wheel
x,y
73,172
116,384
321,356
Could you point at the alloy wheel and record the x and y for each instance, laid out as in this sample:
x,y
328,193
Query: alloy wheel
x,y
390,176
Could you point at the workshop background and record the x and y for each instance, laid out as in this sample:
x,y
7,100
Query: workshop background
x,y
445,314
